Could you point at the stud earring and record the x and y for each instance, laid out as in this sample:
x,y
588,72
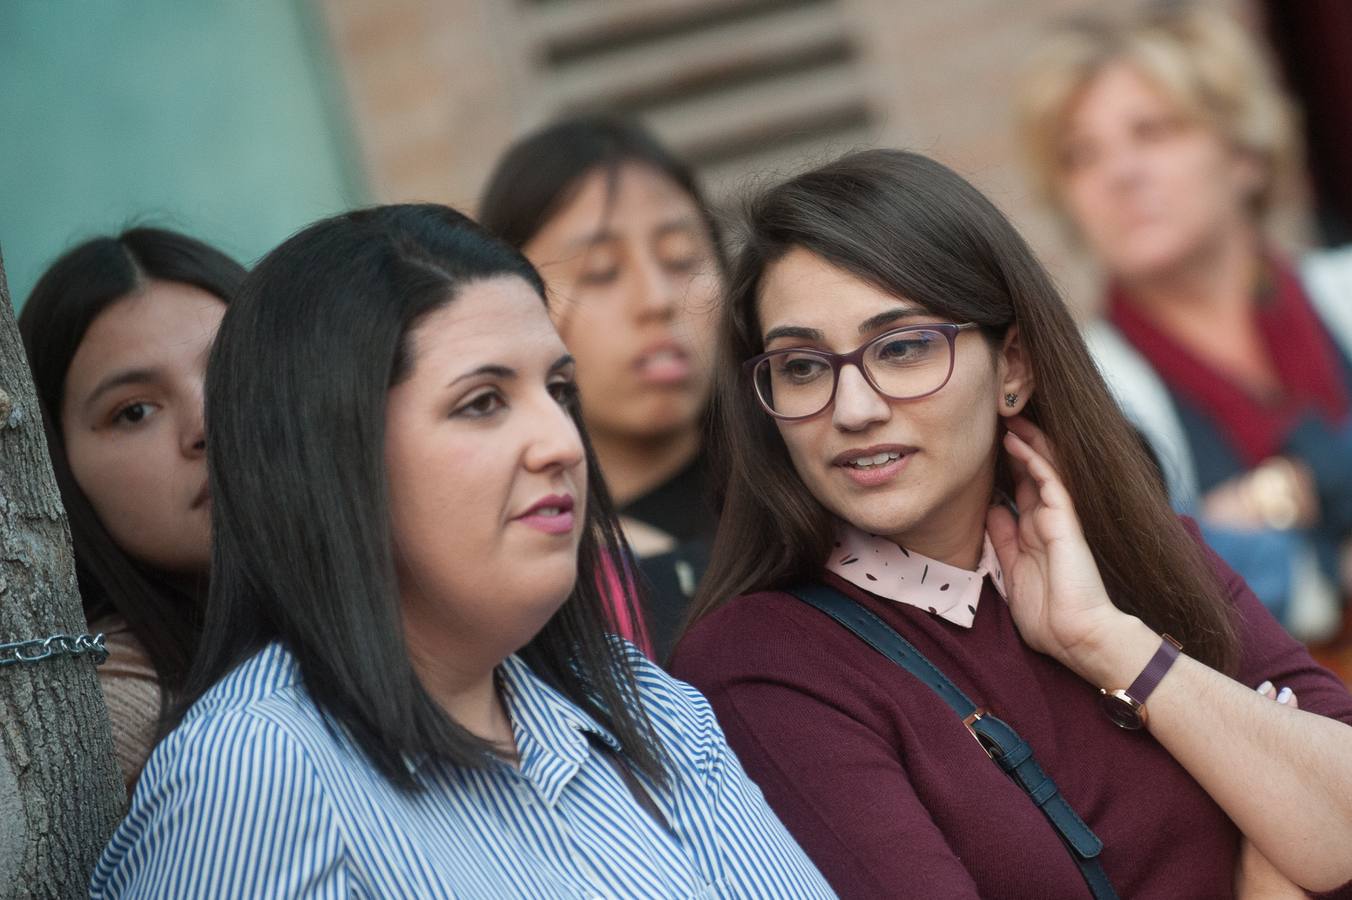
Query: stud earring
x,y
1011,400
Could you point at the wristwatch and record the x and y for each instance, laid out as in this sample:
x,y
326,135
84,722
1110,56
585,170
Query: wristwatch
x,y
1127,708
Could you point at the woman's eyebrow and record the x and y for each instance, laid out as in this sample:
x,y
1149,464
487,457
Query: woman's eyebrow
x,y
586,241
506,372
793,331
120,378
873,323
495,370
681,225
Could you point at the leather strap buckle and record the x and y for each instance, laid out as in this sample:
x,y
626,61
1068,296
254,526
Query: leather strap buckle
x,y
970,720
999,741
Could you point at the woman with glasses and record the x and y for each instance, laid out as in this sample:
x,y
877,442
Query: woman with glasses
x,y
407,685
919,451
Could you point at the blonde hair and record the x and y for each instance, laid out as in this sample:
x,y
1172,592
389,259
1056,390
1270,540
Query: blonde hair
x,y
1201,58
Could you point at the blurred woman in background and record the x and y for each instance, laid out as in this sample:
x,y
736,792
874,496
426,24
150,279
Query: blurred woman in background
x,y
1162,139
630,252
117,333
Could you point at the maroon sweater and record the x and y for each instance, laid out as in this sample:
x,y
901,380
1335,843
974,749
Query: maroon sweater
x,y
892,797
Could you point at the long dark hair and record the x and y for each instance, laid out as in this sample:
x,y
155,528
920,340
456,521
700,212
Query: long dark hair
x,y
917,230
540,174
296,396
80,285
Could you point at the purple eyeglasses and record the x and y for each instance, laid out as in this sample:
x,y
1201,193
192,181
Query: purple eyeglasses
x,y
902,364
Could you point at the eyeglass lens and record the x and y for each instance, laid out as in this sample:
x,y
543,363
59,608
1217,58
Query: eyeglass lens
x,y
902,366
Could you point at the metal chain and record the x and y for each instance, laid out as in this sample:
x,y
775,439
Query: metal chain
x,y
39,649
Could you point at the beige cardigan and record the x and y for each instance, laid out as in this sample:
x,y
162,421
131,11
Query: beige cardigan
x,y
132,692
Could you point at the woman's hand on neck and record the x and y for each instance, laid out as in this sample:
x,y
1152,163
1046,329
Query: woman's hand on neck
x,y
635,465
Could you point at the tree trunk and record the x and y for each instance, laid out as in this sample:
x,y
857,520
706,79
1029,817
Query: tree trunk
x,y
60,791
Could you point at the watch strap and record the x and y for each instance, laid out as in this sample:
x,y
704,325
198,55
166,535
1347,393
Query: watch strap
x,y
1151,675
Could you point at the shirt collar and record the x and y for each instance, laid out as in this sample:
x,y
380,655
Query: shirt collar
x,y
881,567
550,731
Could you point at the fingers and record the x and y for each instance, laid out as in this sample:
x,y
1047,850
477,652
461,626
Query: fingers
x,y
1004,534
1033,436
1025,488
1285,696
1049,487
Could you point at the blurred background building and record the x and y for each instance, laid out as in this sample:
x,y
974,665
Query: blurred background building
x,y
241,121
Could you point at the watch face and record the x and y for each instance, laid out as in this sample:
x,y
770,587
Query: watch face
x,y
1122,709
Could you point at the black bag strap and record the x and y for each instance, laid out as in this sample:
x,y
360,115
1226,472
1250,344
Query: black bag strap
x,y
1000,741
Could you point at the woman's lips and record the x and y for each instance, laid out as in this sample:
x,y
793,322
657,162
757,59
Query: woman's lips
x,y
664,364
552,515
883,464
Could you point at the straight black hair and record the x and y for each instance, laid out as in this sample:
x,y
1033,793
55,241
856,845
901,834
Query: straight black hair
x,y
296,398
80,285
541,173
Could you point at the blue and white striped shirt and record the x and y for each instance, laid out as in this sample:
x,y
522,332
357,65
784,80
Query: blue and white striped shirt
x,y
253,796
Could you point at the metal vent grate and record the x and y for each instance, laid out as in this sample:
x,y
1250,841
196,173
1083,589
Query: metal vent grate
x,y
734,86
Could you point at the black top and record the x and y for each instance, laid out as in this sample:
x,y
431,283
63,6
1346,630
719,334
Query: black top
x,y
681,507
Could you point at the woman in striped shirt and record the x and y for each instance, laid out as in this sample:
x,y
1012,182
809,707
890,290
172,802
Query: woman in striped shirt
x,y
406,687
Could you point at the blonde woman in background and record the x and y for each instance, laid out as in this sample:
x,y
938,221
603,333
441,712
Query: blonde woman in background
x,y
1160,138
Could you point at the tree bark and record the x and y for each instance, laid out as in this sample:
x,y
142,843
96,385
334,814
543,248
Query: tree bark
x,y
60,791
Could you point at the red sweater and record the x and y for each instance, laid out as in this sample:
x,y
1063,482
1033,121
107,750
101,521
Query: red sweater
x,y
892,797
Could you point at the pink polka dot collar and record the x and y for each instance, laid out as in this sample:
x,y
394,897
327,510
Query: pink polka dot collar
x,y
881,567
